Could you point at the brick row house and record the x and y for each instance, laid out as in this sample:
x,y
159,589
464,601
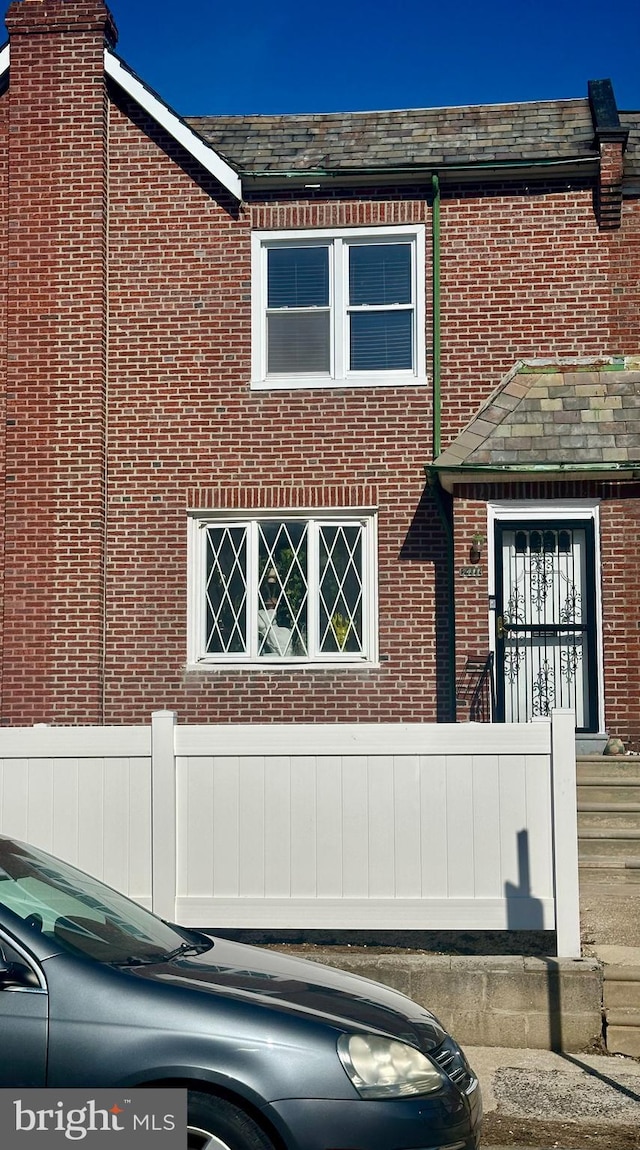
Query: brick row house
x,y
306,416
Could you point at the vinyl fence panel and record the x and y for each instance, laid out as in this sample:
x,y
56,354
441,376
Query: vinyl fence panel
x,y
83,794
401,826
340,827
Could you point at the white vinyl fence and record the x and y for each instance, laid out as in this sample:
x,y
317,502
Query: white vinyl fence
x,y
365,826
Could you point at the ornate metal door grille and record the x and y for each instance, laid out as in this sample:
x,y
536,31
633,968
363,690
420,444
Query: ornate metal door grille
x,y
545,621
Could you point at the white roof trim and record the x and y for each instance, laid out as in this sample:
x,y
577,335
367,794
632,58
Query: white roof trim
x,y
176,127
163,115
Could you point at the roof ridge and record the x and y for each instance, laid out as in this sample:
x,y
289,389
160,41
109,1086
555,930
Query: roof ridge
x,y
583,100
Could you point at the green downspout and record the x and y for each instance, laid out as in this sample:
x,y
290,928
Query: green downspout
x,y
435,241
445,512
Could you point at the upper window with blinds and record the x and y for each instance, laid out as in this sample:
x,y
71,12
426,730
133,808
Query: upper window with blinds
x,y
337,307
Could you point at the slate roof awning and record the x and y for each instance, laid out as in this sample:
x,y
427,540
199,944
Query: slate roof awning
x,y
548,420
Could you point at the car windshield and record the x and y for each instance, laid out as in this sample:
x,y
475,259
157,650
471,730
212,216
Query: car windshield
x,y
81,913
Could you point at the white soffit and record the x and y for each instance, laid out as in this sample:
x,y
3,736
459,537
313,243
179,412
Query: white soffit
x,y
206,156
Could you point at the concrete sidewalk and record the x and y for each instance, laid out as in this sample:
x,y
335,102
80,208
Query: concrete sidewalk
x,y
591,1090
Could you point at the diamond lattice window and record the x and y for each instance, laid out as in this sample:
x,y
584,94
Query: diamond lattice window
x,y
295,589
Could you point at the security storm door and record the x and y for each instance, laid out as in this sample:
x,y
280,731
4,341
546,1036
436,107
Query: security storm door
x,y
545,621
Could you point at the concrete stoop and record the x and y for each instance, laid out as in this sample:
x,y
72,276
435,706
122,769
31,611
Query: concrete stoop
x,y
609,827
609,858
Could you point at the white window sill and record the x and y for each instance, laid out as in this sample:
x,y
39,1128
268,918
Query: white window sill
x,y
323,383
284,665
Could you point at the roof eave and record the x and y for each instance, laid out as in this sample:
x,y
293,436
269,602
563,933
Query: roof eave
x,y
206,156
451,477
117,71
258,179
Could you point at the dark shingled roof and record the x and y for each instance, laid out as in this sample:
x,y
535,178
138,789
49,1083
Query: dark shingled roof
x,y
423,137
552,413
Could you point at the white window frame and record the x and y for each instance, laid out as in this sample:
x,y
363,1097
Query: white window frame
x,y
338,240
197,554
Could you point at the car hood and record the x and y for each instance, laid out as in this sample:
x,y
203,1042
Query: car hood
x,y
280,981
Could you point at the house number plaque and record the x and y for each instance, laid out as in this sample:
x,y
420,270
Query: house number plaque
x,y
474,572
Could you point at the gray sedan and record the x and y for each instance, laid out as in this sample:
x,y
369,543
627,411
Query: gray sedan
x,y
276,1053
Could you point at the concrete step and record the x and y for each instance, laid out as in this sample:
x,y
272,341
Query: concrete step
x,y
608,801
601,791
609,843
622,988
607,767
608,816
598,870
622,1032
608,773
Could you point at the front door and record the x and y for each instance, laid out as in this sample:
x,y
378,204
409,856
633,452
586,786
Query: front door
x,y
545,621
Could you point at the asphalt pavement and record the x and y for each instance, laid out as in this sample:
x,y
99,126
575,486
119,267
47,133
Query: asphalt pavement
x,y
592,1090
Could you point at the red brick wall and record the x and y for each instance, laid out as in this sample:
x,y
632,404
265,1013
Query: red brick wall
x,y
3,354
623,287
620,532
161,377
55,385
525,273
471,595
185,428
522,275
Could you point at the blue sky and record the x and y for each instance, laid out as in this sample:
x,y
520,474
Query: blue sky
x,y
208,56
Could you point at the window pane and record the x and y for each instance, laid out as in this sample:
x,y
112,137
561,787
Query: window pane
x,y
379,274
298,277
381,341
282,589
298,342
340,591
226,591
564,542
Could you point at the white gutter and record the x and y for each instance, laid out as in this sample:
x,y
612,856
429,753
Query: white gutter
x,y
192,143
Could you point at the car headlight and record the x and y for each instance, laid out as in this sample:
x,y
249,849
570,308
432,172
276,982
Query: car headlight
x,y
385,1068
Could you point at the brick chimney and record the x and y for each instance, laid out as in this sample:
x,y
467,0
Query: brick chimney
x,y
56,362
610,140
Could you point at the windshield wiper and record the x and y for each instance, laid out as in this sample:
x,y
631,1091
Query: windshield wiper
x,y
155,957
188,948
137,960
